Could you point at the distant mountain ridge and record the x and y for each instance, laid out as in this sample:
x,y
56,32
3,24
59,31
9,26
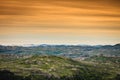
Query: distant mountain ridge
x,y
63,50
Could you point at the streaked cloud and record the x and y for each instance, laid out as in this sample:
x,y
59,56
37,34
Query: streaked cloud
x,y
60,17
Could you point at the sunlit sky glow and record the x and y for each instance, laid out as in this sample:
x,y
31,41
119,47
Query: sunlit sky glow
x,y
59,22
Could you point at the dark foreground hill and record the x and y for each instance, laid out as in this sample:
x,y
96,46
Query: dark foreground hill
x,y
55,68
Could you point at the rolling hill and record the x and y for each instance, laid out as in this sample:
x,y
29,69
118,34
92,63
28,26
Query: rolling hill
x,y
39,67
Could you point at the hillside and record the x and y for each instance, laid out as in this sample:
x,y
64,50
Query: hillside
x,y
54,68
104,59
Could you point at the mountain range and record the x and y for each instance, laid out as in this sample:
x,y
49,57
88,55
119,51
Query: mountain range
x,y
72,51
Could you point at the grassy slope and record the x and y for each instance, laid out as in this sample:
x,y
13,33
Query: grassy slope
x,y
108,64
59,67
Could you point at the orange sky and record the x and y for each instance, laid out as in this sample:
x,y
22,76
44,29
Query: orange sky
x,y
59,22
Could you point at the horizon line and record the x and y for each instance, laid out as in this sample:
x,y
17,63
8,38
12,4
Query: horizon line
x,y
28,45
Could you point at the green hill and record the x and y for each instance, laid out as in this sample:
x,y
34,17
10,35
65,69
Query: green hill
x,y
53,68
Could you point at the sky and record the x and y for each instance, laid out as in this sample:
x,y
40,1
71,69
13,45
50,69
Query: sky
x,y
91,22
